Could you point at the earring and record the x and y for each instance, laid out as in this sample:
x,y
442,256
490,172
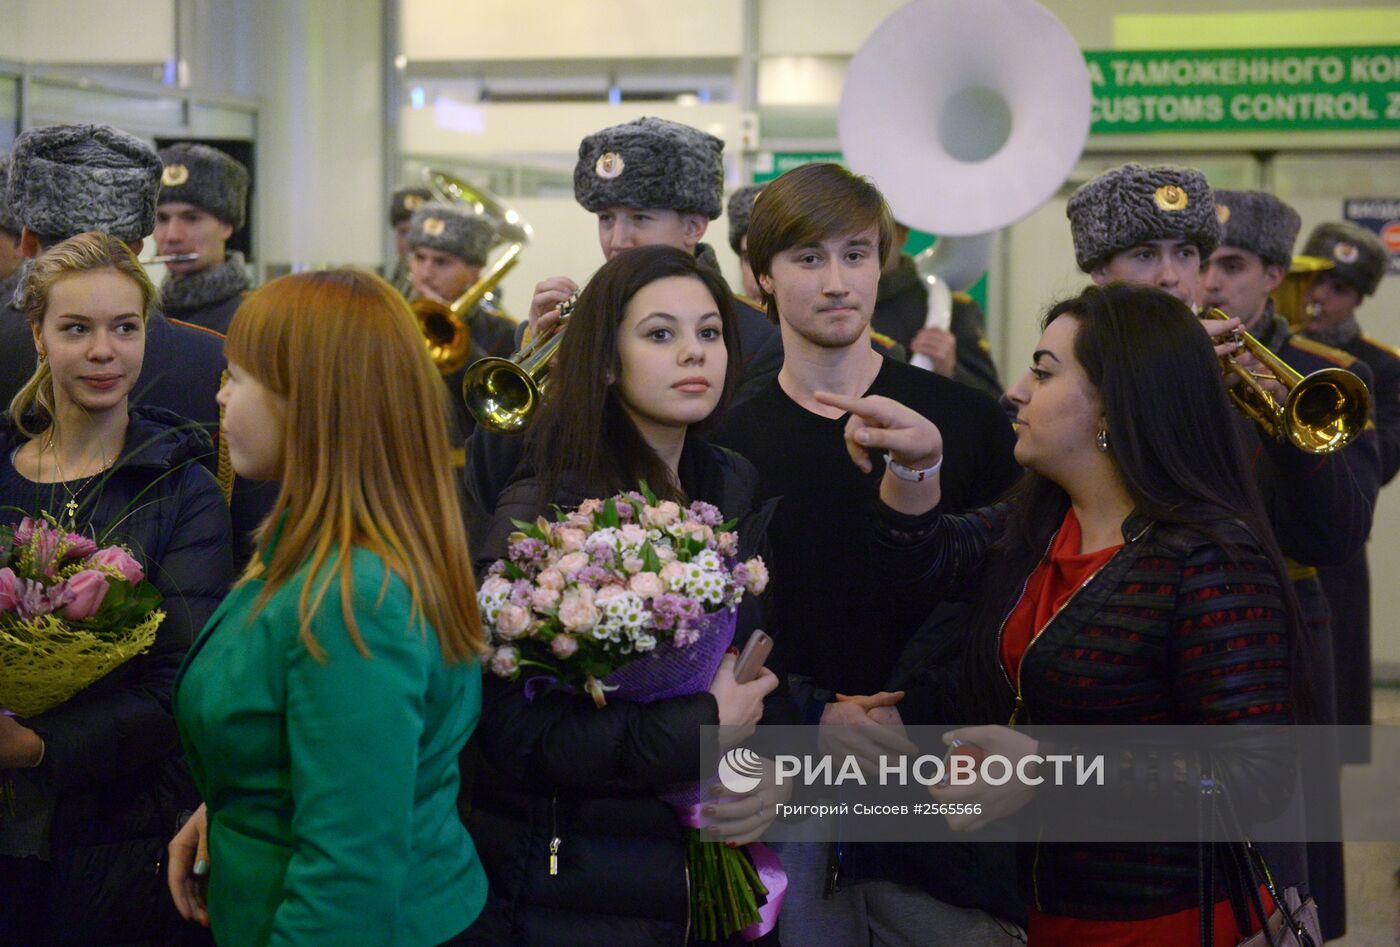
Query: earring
x,y
1103,440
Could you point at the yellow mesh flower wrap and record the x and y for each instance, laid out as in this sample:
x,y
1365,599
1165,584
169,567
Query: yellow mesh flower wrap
x,y
44,662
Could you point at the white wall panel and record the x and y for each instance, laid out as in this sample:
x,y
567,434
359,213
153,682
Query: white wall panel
x,y
802,28
88,31
10,33
317,68
454,128
570,29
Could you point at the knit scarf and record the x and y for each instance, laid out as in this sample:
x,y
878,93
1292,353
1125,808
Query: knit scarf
x,y
212,285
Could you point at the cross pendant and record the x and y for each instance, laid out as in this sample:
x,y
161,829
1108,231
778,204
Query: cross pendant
x,y
72,509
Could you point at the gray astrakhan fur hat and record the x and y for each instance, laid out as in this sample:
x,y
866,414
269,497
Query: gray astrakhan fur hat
x,y
1131,205
405,201
739,209
8,222
69,179
1258,222
207,178
1358,256
452,229
651,163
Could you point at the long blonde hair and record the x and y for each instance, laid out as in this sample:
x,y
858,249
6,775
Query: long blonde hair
x,y
85,253
365,451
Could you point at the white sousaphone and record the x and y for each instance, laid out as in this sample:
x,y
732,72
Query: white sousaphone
x,y
967,116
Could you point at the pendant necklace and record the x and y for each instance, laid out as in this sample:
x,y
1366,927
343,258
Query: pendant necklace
x,y
70,508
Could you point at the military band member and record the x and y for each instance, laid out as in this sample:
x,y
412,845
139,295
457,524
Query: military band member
x,y
401,207
648,182
960,351
651,181
738,210
1359,259
10,257
448,246
1158,226
203,202
1358,262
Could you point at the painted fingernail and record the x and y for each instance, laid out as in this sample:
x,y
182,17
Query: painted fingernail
x,y
731,844
731,650
201,867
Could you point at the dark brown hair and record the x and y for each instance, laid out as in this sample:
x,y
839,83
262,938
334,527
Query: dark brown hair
x,y
1176,445
809,204
583,429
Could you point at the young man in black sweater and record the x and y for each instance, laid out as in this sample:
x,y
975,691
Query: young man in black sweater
x,y
816,241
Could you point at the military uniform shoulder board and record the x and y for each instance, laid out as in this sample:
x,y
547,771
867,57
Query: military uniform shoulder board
x,y
750,302
884,340
963,298
1385,347
1335,356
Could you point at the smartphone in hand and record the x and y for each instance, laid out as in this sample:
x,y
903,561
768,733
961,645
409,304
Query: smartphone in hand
x,y
751,660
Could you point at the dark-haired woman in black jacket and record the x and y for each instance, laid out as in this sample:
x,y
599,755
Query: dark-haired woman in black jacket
x,y
650,353
1132,578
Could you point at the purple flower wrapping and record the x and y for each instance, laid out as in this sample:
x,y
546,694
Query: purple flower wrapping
x,y
672,671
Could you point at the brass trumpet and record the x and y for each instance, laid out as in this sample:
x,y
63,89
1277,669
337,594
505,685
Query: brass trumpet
x,y
1291,297
1324,411
445,329
503,393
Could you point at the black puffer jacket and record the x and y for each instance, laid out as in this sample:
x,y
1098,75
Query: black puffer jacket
x,y
112,766
557,767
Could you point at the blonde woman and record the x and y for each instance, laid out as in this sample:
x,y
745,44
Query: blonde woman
x,y
98,780
324,705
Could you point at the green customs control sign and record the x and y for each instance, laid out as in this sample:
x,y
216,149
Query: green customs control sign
x,y
1354,88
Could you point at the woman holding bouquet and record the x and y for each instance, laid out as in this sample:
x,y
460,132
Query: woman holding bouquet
x,y
1131,579
97,781
566,806
324,706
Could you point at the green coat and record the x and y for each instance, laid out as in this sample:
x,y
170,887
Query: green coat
x,y
331,786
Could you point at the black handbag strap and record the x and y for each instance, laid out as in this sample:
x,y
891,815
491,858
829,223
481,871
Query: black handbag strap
x,y
1216,810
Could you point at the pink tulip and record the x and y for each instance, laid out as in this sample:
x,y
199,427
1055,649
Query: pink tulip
x,y
83,594
117,558
9,591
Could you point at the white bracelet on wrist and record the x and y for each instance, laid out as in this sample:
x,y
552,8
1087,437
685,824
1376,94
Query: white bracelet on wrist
x,y
907,473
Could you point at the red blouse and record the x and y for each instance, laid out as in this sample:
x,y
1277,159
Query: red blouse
x,y
1059,575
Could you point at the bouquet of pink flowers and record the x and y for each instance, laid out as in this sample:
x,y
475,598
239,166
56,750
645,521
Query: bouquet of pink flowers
x,y
70,613
636,598
629,595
